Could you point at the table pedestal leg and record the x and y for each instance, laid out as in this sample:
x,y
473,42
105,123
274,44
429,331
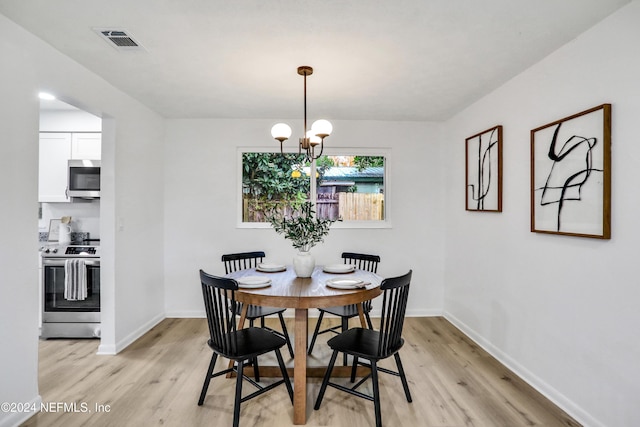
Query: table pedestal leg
x,y
363,321
243,316
300,367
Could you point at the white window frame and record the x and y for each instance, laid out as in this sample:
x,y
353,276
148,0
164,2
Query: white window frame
x,y
333,151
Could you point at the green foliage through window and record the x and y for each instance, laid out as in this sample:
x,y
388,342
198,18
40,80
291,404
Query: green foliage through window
x,y
267,176
362,162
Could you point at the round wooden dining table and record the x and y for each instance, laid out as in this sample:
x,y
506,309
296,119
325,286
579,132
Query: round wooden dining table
x,y
288,291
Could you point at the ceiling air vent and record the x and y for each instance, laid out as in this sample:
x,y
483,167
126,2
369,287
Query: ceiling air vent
x,y
118,38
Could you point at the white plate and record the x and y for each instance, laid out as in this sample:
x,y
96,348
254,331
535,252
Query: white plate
x,y
271,268
345,283
253,282
339,268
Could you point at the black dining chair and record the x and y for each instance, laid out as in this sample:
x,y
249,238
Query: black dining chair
x,y
246,260
373,345
238,345
362,262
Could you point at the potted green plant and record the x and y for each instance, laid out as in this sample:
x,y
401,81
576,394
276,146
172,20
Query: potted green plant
x,y
305,230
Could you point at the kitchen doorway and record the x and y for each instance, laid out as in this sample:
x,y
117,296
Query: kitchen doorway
x,y
67,225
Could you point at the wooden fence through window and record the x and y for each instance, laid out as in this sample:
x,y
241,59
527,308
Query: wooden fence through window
x,y
348,206
361,206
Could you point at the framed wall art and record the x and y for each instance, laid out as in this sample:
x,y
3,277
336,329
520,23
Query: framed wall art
x,y
483,177
571,175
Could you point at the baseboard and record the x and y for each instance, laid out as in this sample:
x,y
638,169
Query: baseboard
x,y
421,313
14,419
186,314
129,339
559,399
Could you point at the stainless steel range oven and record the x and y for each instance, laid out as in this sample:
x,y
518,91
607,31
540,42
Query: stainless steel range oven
x,y
70,317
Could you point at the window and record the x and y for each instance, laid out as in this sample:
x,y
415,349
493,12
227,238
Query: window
x,y
350,187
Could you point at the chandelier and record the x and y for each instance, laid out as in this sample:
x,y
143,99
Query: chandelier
x,y
320,129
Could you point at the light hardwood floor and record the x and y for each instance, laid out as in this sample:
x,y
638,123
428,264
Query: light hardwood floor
x,y
157,381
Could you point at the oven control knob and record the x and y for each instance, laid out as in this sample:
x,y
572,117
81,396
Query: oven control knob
x,y
46,251
54,250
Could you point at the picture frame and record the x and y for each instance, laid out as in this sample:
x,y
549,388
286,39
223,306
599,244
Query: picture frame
x,y
483,173
571,175
54,230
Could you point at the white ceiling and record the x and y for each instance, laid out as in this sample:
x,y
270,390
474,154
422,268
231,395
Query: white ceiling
x,y
373,59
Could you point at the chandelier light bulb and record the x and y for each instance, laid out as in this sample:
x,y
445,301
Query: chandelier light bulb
x,y
313,138
281,131
322,128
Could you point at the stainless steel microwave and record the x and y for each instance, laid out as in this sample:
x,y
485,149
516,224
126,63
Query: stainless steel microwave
x,y
84,179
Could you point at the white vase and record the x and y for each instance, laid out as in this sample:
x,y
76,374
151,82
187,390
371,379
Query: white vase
x,y
303,264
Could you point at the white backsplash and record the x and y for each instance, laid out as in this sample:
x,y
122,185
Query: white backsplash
x,y
85,216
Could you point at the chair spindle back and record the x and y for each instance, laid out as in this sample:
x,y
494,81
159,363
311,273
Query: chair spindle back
x,y
362,261
394,306
219,298
241,261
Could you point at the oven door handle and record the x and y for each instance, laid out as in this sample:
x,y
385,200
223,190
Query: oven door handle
x,y
61,262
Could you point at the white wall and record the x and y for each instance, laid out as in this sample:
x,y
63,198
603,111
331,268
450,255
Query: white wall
x,y
562,311
201,210
132,192
19,213
68,121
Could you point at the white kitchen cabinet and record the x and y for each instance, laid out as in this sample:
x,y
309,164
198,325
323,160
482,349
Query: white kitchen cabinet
x,y
86,146
56,148
55,151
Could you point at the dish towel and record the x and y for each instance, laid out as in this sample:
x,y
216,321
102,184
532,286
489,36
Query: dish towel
x,y
75,280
